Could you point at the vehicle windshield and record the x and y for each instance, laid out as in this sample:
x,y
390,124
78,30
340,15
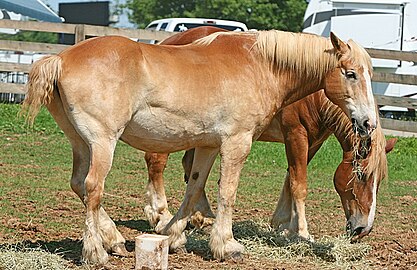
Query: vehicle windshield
x,y
152,26
181,27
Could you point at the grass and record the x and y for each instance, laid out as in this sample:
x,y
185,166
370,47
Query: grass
x,y
36,164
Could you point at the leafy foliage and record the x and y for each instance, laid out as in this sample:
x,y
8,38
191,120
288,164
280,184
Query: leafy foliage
x,y
31,36
257,14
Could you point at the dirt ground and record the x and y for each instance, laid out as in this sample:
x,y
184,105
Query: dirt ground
x,y
393,239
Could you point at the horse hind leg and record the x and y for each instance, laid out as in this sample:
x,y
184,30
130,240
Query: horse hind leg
x,y
234,152
98,224
112,239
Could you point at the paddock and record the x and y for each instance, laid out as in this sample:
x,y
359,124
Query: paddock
x,y
43,212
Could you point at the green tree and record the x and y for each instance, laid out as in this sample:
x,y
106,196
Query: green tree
x,y
258,14
42,37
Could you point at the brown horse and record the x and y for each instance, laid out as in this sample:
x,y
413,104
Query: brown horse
x,y
303,127
217,96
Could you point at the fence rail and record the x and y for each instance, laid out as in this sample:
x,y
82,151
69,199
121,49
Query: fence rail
x,y
82,31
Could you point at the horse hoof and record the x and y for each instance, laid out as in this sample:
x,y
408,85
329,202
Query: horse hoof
x,y
231,251
96,257
178,250
199,221
164,219
120,250
236,257
151,215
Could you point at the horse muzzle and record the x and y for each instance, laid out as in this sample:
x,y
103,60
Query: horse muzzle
x,y
358,232
363,127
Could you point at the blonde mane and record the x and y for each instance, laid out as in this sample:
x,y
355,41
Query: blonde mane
x,y
205,41
307,55
374,154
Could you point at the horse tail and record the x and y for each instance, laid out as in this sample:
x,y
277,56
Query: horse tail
x,y
42,82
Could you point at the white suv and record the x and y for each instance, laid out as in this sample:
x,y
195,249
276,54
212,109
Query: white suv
x,y
183,24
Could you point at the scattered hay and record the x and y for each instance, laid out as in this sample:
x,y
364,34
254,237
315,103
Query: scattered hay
x,y
17,257
261,241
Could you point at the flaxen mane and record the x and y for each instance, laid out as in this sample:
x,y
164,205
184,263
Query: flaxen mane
x,y
370,150
308,55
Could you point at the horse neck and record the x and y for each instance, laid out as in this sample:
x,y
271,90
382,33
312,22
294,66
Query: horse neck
x,y
299,62
335,120
367,156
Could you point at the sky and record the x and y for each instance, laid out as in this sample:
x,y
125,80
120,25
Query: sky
x,y
123,20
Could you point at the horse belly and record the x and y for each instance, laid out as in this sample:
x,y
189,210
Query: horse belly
x,y
156,130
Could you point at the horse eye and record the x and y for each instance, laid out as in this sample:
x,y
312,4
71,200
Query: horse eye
x,y
351,75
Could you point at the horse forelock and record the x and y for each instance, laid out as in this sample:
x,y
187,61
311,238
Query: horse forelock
x,y
359,55
308,55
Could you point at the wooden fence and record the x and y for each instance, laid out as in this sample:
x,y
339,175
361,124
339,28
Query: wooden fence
x,y
82,31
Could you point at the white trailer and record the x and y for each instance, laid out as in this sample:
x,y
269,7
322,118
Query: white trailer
x,y
378,24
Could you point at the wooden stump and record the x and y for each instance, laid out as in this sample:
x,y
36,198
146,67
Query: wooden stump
x,y
151,251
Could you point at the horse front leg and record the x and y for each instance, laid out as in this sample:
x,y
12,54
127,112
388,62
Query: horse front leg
x,y
282,215
156,211
233,153
296,148
202,214
202,163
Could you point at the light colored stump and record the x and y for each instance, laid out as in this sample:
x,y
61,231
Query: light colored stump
x,y
151,251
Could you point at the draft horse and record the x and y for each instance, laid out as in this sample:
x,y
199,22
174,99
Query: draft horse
x,y
217,96
303,126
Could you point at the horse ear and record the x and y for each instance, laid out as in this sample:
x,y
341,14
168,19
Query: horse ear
x,y
390,145
340,46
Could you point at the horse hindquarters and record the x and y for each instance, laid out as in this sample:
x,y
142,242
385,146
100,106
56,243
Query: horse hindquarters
x,y
42,90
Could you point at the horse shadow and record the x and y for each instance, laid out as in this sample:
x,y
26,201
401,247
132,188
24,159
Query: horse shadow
x,y
197,241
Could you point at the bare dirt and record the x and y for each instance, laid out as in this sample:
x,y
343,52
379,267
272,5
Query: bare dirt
x,y
393,239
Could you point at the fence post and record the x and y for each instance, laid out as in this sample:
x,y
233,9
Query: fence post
x,y
79,33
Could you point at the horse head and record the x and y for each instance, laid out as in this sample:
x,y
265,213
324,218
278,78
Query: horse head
x,y
349,85
357,182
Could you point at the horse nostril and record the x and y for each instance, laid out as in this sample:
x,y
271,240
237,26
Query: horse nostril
x,y
366,124
358,231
